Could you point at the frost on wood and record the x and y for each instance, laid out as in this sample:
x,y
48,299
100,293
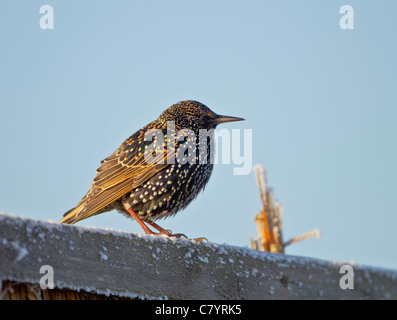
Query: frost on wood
x,y
113,263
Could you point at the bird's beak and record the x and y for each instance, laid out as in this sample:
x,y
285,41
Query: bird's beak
x,y
222,119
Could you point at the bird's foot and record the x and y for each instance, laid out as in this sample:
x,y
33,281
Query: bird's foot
x,y
200,239
160,229
180,235
170,234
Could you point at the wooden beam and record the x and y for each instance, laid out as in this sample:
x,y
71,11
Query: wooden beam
x,y
119,264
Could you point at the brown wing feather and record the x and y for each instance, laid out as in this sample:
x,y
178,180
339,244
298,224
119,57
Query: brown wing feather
x,y
118,174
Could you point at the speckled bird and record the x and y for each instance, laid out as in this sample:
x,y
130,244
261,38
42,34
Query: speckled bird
x,y
152,176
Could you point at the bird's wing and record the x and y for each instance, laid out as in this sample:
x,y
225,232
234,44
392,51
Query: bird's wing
x,y
124,170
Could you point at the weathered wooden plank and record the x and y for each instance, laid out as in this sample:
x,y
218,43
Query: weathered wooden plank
x,y
140,266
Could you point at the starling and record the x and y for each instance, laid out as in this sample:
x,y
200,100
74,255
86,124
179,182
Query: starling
x,y
158,170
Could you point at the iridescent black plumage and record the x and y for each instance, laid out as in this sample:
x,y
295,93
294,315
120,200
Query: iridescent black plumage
x,y
154,187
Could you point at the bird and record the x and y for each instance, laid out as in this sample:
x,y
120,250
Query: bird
x,y
158,170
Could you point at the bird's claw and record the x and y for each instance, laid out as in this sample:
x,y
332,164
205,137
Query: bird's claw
x,y
170,234
178,235
181,235
167,232
200,239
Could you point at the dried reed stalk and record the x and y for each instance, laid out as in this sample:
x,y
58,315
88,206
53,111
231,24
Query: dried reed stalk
x,y
268,221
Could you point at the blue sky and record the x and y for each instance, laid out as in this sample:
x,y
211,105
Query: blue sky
x,y
321,103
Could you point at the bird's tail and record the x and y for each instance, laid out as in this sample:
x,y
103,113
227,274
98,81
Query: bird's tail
x,y
73,215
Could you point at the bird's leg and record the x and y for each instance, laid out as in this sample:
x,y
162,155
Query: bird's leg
x,y
141,223
163,231
155,225
169,232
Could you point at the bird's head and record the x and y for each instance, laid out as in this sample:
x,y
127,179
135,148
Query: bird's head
x,y
194,115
